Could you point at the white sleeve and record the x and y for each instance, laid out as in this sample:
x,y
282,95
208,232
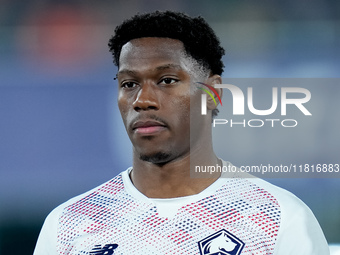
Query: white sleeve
x,y
300,232
47,240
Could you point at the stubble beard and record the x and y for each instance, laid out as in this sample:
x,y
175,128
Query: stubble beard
x,y
159,158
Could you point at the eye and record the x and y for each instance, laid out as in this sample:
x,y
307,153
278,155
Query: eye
x,y
128,85
168,81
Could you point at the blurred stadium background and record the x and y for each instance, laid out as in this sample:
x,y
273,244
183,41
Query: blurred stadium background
x,y
60,130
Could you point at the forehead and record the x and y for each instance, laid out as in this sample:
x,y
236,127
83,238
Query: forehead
x,y
144,53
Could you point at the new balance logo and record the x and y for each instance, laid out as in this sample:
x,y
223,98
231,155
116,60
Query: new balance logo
x,y
107,249
221,243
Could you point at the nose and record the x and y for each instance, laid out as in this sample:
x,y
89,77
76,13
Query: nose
x,y
146,99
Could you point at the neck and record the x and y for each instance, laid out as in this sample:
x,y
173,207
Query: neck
x,y
172,179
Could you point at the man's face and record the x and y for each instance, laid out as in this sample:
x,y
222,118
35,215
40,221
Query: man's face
x,y
154,98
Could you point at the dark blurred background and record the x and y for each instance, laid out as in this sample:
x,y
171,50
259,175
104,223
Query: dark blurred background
x,y
60,129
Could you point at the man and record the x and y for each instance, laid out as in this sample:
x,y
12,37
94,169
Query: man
x,y
155,207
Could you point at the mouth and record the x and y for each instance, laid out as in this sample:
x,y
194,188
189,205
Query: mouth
x,y
148,127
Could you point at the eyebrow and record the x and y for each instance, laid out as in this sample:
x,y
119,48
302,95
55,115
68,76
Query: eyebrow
x,y
158,68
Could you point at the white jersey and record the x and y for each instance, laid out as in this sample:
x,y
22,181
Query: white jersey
x,y
232,216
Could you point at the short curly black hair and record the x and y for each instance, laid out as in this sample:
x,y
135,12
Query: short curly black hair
x,y
200,41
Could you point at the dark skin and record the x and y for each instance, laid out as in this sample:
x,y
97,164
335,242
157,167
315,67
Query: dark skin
x,y
155,97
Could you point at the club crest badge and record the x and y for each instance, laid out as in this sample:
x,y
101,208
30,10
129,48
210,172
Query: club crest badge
x,y
221,243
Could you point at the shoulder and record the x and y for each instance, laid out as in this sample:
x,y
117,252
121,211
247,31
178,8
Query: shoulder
x,y
48,235
287,200
110,187
299,232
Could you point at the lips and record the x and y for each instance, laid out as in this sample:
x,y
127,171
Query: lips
x,y
148,127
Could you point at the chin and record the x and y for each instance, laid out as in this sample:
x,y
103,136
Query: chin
x,y
156,158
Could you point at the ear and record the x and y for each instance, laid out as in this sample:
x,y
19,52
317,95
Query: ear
x,y
212,80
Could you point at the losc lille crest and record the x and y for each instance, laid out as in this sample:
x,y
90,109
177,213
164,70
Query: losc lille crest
x,y
221,243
